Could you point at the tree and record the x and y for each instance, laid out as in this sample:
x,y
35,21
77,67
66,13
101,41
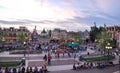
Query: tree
x,y
1,36
62,39
21,37
78,38
103,38
93,33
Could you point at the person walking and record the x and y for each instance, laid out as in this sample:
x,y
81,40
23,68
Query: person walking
x,y
49,59
45,57
75,56
58,55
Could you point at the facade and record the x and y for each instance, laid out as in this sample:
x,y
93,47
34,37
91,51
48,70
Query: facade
x,y
119,40
44,34
114,32
44,38
71,35
85,35
58,33
11,34
34,35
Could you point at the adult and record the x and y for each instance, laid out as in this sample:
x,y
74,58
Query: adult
x,y
14,70
58,54
45,58
49,59
23,69
44,69
31,71
41,70
1,71
74,67
27,70
36,69
6,70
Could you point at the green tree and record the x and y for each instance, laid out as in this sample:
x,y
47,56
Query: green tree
x,y
93,32
21,37
78,38
103,38
62,39
1,34
1,38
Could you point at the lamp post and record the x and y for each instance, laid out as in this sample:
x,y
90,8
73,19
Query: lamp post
x,y
108,47
24,48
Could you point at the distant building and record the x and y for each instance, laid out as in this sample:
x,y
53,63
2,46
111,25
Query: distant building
x,y
114,32
119,41
11,34
44,34
58,33
85,35
34,35
44,38
71,35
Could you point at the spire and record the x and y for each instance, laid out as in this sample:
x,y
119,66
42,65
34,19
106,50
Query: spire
x,y
95,24
35,27
35,32
44,31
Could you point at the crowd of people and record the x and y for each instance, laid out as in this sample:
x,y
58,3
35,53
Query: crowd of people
x,y
43,69
91,65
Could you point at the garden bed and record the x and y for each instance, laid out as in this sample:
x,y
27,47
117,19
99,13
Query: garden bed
x,y
10,64
100,58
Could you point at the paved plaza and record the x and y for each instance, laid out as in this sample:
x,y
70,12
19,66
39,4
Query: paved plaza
x,y
61,65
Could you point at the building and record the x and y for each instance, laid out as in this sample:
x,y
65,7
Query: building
x,y
44,34
58,33
85,35
34,35
114,32
119,40
11,34
71,35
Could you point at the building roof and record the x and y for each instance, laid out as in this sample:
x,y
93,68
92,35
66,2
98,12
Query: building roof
x,y
43,31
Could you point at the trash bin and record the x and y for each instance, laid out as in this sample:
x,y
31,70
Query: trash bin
x,y
23,61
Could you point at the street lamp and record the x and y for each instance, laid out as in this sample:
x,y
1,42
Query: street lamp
x,y
24,48
108,47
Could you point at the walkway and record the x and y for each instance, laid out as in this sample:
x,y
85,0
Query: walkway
x,y
57,64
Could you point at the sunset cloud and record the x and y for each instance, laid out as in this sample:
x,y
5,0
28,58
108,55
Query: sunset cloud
x,y
72,15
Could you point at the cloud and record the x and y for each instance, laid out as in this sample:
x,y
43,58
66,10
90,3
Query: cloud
x,y
33,10
13,22
103,5
71,15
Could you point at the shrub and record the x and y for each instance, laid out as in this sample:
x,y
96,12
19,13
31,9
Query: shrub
x,y
10,64
100,58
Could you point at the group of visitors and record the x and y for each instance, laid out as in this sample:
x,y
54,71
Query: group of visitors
x,y
47,59
43,69
91,65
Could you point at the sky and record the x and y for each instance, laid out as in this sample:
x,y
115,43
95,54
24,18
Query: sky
x,y
71,15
